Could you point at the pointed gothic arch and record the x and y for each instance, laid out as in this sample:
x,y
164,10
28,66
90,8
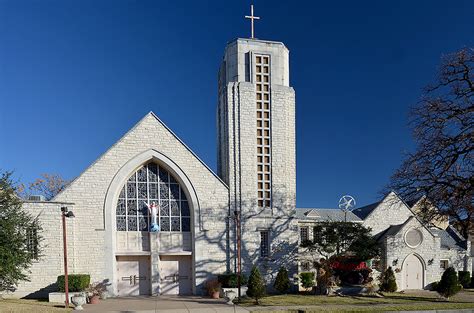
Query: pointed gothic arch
x,y
409,271
119,180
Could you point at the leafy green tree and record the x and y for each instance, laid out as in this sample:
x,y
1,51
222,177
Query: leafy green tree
x,y
388,283
449,283
256,285
337,238
16,254
282,282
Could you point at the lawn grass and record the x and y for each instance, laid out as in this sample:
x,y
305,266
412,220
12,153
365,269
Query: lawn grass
x,y
27,306
390,302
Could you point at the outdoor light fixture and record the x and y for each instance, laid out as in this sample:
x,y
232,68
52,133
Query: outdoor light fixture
x,y
65,213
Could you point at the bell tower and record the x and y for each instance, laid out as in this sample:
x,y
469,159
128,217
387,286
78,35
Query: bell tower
x,y
256,146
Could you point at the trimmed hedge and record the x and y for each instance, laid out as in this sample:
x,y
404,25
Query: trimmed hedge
x,y
307,279
76,282
464,278
229,280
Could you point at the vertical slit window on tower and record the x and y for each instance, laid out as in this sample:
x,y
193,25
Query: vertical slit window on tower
x,y
264,244
262,87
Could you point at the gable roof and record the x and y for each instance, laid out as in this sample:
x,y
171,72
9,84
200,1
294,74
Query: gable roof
x,y
364,211
322,215
393,229
450,238
129,132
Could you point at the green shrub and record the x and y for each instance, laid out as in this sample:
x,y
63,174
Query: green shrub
x,y
282,282
307,279
256,285
230,280
472,281
434,286
449,284
464,278
388,283
76,282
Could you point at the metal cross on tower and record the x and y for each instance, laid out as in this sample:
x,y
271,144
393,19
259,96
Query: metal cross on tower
x,y
252,17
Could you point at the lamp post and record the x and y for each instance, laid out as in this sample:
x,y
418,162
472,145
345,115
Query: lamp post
x,y
65,213
239,263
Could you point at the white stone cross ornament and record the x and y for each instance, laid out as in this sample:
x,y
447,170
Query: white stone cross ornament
x,y
252,17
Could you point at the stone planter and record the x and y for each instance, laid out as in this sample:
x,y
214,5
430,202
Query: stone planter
x,y
230,296
78,300
243,291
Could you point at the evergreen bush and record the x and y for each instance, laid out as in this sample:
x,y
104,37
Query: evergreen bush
x,y
76,282
256,285
388,283
307,279
434,286
464,278
282,282
449,284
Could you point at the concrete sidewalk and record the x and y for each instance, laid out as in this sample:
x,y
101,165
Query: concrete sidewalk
x,y
163,304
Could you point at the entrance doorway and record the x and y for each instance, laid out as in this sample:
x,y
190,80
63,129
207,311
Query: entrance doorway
x,y
176,275
133,274
413,272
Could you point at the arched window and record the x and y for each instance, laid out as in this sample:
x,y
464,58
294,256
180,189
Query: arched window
x,y
149,183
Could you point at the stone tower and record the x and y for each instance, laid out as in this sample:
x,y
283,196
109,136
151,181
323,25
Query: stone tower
x,y
256,152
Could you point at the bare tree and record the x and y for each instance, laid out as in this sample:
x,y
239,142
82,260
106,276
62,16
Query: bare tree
x,y
441,168
48,185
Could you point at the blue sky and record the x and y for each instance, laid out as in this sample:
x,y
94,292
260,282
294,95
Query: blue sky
x,y
76,75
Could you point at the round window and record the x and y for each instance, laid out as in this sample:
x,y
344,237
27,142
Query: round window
x,y
413,238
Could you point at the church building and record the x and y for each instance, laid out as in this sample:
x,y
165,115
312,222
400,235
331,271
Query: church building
x,y
200,213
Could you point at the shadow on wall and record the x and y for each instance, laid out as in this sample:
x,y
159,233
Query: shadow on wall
x,y
283,239
42,293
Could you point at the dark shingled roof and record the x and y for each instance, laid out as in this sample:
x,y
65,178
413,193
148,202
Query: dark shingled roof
x,y
315,214
364,211
450,239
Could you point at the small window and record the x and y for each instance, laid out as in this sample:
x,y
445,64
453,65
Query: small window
x,y
443,264
264,244
305,266
32,241
315,234
304,234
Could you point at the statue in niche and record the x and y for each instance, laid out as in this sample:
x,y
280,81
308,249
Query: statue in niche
x,y
153,210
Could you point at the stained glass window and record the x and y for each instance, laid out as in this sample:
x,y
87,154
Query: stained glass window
x,y
149,183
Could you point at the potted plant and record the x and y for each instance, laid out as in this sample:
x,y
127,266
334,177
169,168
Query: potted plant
x,y
94,292
213,287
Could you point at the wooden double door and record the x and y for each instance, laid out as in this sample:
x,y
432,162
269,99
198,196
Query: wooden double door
x,y
176,275
133,276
